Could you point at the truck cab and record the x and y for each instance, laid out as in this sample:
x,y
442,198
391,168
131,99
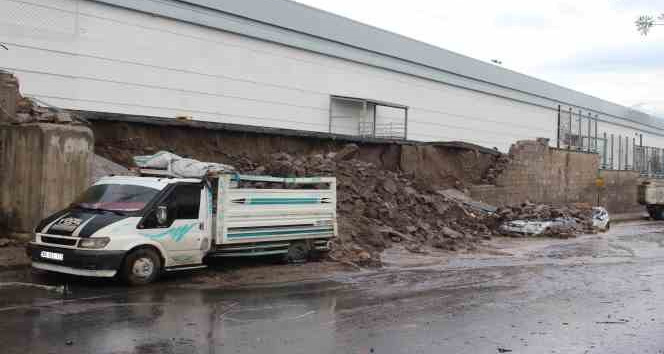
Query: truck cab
x,y
137,227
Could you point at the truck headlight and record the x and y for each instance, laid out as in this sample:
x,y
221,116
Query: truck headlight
x,y
94,242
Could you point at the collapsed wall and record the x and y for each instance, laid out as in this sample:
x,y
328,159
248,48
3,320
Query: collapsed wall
x,y
440,165
532,171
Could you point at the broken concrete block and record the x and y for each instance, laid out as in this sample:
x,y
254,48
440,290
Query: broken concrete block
x,y
63,117
23,118
348,152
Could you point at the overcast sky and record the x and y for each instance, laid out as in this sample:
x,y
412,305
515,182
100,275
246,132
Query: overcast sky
x,y
587,45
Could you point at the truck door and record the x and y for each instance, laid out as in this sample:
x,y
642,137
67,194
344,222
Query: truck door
x,y
183,234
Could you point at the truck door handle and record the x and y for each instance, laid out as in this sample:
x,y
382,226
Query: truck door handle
x,y
201,225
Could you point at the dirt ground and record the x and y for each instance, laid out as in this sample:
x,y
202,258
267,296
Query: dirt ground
x,y
12,254
596,293
241,272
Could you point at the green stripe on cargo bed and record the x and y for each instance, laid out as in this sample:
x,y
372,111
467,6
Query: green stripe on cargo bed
x,y
281,232
263,201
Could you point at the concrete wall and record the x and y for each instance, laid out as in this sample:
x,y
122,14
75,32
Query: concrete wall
x,y
541,174
619,193
75,54
43,167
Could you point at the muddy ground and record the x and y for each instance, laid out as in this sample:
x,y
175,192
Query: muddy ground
x,y
592,294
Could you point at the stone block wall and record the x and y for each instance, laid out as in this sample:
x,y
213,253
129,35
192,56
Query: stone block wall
x,y
619,193
541,174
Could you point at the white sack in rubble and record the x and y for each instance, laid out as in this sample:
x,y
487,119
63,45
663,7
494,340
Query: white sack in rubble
x,y
190,168
178,166
160,160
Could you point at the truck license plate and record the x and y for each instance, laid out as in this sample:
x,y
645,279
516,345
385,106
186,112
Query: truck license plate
x,y
51,255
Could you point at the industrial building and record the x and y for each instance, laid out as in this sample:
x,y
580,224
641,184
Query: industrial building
x,y
277,63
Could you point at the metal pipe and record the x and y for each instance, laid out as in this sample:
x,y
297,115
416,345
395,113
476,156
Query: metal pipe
x,y
634,162
405,128
612,151
590,130
580,146
375,108
330,112
619,152
604,151
626,153
569,139
595,132
558,131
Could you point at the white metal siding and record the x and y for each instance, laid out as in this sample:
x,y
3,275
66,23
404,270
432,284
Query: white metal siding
x,y
85,55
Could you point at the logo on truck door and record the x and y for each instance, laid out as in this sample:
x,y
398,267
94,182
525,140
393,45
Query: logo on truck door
x,y
176,233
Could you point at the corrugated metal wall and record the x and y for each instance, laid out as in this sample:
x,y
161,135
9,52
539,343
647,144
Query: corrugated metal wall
x,y
85,55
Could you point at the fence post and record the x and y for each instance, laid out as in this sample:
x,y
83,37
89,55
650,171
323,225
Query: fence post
x,y
612,151
558,130
619,152
590,130
405,126
626,153
634,167
580,146
569,143
604,150
595,132
644,164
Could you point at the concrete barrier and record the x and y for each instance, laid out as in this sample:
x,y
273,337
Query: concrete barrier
x,y
43,167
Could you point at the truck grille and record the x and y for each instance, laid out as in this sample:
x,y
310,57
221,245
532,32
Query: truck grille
x,y
59,241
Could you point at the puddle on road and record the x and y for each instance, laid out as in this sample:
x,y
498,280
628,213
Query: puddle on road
x,y
653,237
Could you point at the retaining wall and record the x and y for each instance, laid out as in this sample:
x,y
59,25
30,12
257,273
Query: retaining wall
x,y
541,174
534,173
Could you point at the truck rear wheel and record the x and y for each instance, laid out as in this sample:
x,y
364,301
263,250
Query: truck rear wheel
x,y
656,212
140,267
298,252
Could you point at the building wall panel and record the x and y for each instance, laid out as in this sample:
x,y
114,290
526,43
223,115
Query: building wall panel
x,y
85,55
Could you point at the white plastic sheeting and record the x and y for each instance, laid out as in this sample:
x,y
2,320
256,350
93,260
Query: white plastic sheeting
x,y
180,166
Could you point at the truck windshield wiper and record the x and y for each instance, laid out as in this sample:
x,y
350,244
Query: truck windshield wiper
x,y
116,212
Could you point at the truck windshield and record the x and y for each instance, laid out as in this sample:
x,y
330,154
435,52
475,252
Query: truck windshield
x,y
115,197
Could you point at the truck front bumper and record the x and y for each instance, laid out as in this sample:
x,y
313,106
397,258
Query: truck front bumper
x,y
92,263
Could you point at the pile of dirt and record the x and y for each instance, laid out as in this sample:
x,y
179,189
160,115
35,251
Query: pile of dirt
x,y
378,207
102,166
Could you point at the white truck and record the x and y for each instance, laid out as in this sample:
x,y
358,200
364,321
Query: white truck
x,y
651,195
136,227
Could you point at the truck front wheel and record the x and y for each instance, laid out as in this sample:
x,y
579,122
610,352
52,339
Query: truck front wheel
x,y
141,266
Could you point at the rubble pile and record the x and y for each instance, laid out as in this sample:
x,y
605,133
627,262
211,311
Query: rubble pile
x,y
16,109
377,208
545,220
499,165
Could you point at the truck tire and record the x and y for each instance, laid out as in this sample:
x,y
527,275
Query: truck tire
x,y
656,212
140,267
317,256
298,252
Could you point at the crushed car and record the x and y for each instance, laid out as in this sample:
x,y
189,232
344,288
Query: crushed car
x,y
561,227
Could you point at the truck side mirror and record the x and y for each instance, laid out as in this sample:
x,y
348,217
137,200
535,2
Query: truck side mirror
x,y
162,214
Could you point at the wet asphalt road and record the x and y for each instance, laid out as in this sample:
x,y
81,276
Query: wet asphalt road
x,y
594,294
